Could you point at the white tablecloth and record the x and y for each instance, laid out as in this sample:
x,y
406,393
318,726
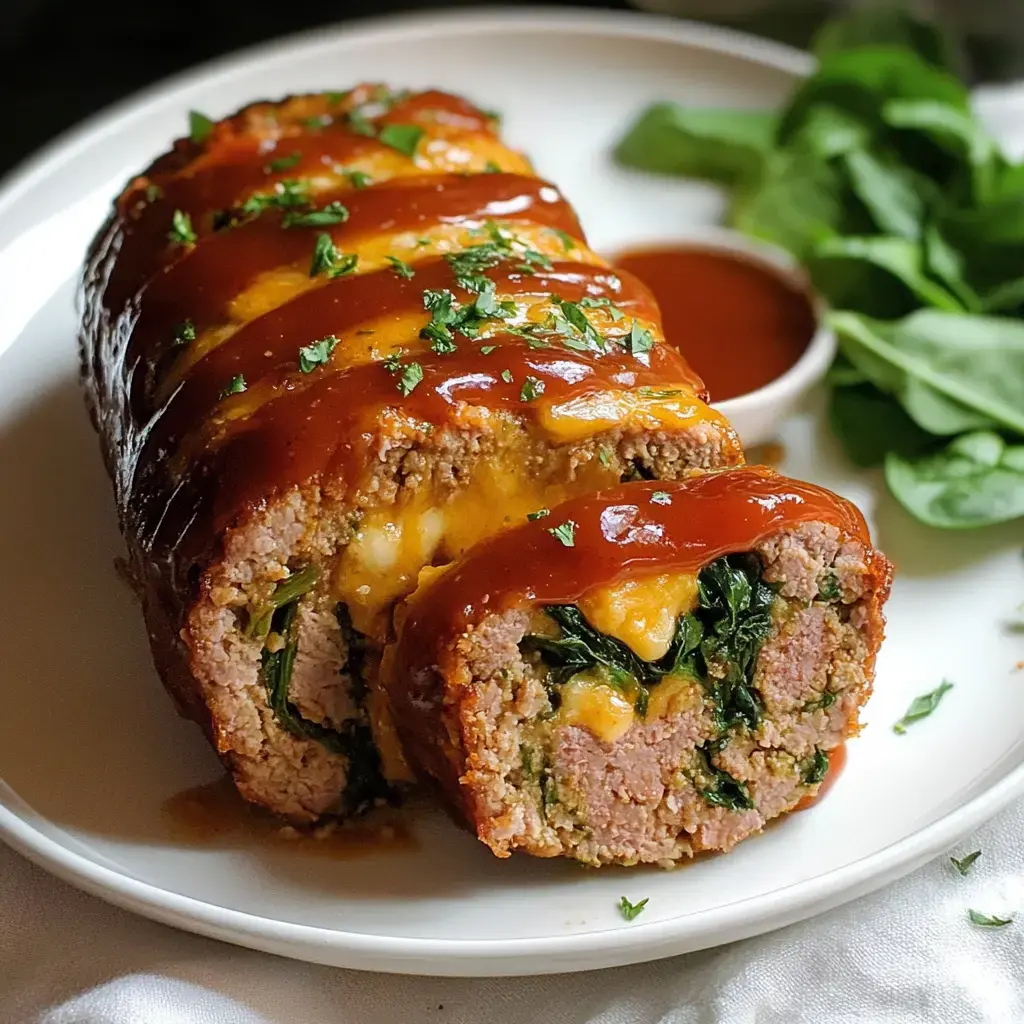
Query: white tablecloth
x,y
907,955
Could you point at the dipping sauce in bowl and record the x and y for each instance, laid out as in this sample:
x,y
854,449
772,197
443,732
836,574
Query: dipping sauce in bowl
x,y
740,322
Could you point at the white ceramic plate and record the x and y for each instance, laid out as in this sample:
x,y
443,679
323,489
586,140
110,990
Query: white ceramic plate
x,y
90,748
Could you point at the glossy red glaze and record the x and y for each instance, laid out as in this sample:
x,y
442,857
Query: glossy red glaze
x,y
618,533
740,324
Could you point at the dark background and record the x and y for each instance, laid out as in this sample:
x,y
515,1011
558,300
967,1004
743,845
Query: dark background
x,y
61,60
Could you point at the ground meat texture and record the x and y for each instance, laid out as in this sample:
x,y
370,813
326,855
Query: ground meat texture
x,y
678,780
319,351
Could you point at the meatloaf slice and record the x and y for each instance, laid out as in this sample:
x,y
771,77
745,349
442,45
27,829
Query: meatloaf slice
x,y
645,673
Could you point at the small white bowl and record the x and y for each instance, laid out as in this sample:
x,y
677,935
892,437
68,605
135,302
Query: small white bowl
x,y
757,415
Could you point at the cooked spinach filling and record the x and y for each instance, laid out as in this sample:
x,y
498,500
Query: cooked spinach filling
x,y
354,740
717,643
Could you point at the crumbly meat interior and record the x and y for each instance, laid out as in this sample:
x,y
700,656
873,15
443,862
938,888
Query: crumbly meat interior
x,y
676,782
294,704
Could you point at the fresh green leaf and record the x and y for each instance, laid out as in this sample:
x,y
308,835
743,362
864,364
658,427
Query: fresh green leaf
x,y
403,137
724,146
283,163
332,213
412,374
870,423
963,865
564,533
639,339
199,126
316,354
506,376
288,590
828,132
539,514
890,191
184,333
181,232
977,480
984,921
631,910
661,498
401,268
901,257
922,707
531,389
235,386
975,362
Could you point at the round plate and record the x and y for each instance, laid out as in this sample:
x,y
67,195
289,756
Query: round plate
x,y
90,748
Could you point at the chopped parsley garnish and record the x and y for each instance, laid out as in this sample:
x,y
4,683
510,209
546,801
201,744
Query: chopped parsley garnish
x,y
181,232
639,340
332,213
572,323
316,354
153,193
235,386
317,121
357,179
361,124
506,376
403,137
568,242
334,98
287,193
661,498
487,349
184,332
412,374
532,387
283,163
539,514
199,126
631,910
604,456
984,921
658,392
564,534
963,865
491,168
922,707
392,362
401,268
329,260
589,302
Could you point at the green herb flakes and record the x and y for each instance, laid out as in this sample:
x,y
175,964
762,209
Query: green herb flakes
x,y
506,376
639,340
814,769
486,350
329,260
333,213
491,168
631,910
283,163
922,707
401,268
539,514
963,865
531,389
565,534
316,354
984,921
153,193
661,498
412,374
403,137
235,386
184,333
604,456
199,126
181,232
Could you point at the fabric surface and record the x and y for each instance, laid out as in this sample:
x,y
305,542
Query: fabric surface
x,y
905,955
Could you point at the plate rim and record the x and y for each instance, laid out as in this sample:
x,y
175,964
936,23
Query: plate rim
x,y
602,947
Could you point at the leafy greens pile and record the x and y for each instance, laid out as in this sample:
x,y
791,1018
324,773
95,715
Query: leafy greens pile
x,y
910,220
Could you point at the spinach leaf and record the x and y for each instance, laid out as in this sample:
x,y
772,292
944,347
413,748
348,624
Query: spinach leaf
x,y
796,201
870,423
719,787
828,132
922,706
286,592
723,146
901,257
892,194
976,480
975,362
815,768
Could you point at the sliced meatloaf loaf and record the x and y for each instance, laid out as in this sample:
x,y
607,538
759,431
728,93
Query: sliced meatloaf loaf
x,y
643,673
328,342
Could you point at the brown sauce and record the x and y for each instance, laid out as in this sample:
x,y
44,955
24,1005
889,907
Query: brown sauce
x,y
213,814
740,325
836,764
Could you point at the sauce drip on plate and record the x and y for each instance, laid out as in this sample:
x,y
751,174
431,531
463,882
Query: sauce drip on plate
x,y
739,324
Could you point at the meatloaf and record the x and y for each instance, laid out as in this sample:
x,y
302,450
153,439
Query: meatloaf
x,y
642,673
327,342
